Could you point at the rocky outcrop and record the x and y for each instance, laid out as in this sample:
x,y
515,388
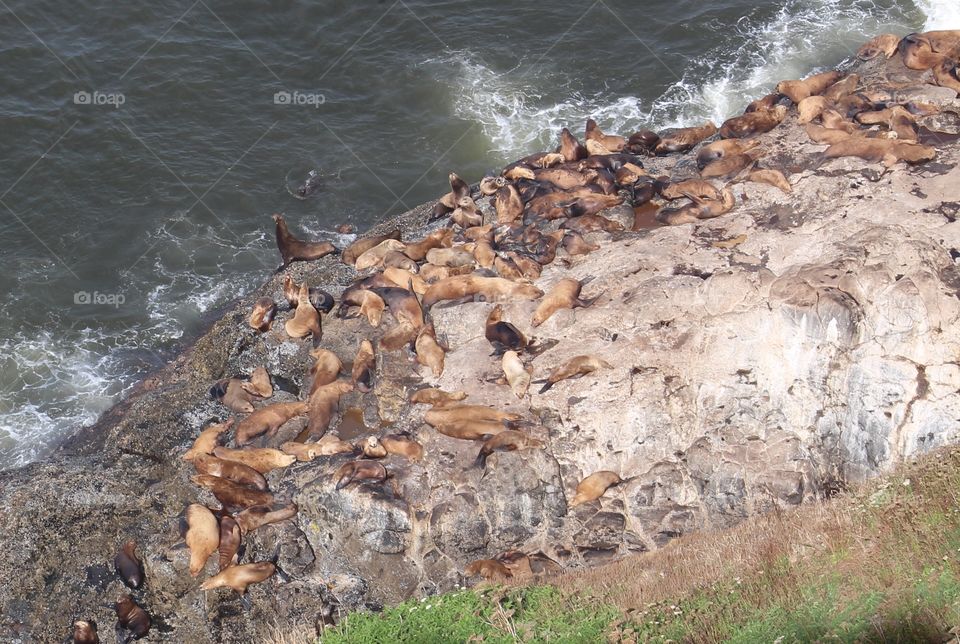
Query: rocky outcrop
x,y
762,359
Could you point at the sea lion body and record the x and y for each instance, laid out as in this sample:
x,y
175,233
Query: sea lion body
x,y
132,617
231,470
400,445
491,288
229,542
797,90
433,396
685,139
325,369
323,403
128,565
207,441
517,375
565,294
293,249
257,516
753,123
371,471
593,487
233,395
306,320
239,577
232,494
259,384
202,537
373,258
503,335
489,569
507,441
261,318
429,352
262,459
364,366
362,245
267,420
574,368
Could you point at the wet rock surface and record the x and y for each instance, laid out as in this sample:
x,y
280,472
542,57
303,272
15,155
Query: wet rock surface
x,y
761,359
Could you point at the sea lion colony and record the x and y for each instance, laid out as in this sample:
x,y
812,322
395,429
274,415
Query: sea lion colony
x,y
499,236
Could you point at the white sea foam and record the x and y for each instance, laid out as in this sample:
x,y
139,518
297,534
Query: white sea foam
x,y
941,14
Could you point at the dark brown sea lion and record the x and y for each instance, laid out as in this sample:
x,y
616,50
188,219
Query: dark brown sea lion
x,y
371,471
723,148
128,565
321,300
571,149
502,335
231,470
230,540
293,249
684,139
230,494
85,632
753,123
239,577
132,617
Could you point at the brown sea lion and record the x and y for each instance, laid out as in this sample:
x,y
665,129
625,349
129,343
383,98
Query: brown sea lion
x,y
517,374
842,88
683,189
723,148
128,565
490,288
262,459
323,403
293,249
362,245
503,335
403,279
467,215
452,413
490,184
371,471
433,396
321,300
918,52
371,305
684,139
565,294
470,430
373,258
947,74
797,90
506,441
454,257
85,632
727,167
771,177
233,395
257,516
885,44
364,366
230,494
699,209
259,384
305,452
508,204
402,445
396,259
489,569
132,617
609,142
823,135
231,470
484,254
229,542
763,103
239,577
887,151
629,174
208,439
834,120
575,244
261,318
753,123
458,190
574,368
519,171
267,420
417,251
643,141
591,223
371,447
430,353
306,321
593,487
810,108
571,149
202,537
325,369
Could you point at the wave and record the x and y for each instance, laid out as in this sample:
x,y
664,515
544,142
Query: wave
x,y
940,14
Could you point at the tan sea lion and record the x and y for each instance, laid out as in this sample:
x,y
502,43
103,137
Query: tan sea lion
x,y
484,254
402,445
231,470
517,374
470,430
770,177
404,279
490,288
305,452
947,74
919,53
753,123
490,184
885,44
887,151
451,413
261,318
458,190
575,244
267,420
763,103
574,368
842,88
229,542
306,321
797,90
262,459
429,352
325,369
728,167
723,148
373,258
371,305
371,447
811,108
202,537
128,565
565,294
259,384
293,249
364,366
454,257
239,577
360,471
362,245
433,396
683,189
417,251
233,395
571,149
686,138
834,120
823,135
232,494
132,617
699,209
610,143
506,441
593,487
257,516
489,569
208,439
323,403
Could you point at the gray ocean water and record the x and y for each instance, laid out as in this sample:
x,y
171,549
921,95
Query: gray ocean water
x,y
144,145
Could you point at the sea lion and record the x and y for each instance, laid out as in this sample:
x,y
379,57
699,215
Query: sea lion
x,y
484,254
229,542
684,139
823,135
506,441
231,470
517,375
489,569
323,403
371,305
267,420
259,384
885,44
797,90
490,288
230,494
918,52
202,537
683,189
305,452
723,148
433,396
402,445
257,516
239,577
887,151
593,487
321,300
699,209
396,259
770,177
571,149
371,471
470,430
325,369
128,565
403,279
842,88
306,321
629,174
574,368
310,185
458,190
753,123
362,245
508,204
610,143
643,142
727,167
811,108
85,632
293,249
763,103
262,459
575,244
454,257
947,74
233,395
565,294
364,366
371,447
430,353
207,440
132,617
490,184
330,445
466,214
503,335
834,120
373,258
261,318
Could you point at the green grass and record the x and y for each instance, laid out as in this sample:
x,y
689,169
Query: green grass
x,y
886,568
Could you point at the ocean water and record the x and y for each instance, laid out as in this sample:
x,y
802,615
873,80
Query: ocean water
x,y
145,145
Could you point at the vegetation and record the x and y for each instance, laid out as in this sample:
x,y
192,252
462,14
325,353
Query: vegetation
x,y
880,564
